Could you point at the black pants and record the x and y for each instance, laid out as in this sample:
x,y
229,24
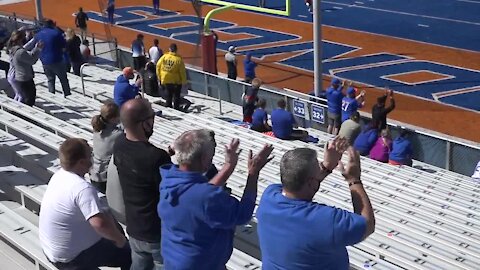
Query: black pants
x,y
139,62
103,253
76,67
173,94
28,92
261,128
100,186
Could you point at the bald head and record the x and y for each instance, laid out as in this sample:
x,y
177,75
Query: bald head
x,y
134,111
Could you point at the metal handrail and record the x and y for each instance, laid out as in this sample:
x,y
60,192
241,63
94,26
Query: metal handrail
x,y
81,76
207,86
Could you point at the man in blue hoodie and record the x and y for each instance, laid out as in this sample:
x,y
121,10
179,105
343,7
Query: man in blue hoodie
x,y
402,151
334,102
123,91
54,45
198,216
249,68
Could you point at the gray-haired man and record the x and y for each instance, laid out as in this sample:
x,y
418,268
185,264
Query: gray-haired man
x,y
199,217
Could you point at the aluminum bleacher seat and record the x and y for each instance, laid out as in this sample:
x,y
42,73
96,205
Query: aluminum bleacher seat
x,y
424,220
23,235
377,246
33,189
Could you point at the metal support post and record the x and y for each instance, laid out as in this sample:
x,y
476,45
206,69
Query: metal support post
x,y
38,10
317,47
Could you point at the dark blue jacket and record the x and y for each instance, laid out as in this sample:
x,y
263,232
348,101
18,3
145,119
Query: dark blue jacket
x,y
401,150
249,67
365,140
334,100
198,220
123,91
54,43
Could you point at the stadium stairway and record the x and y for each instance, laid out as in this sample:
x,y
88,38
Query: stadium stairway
x,y
411,232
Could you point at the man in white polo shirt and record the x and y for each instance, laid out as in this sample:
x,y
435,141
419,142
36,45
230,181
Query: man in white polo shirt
x,y
75,232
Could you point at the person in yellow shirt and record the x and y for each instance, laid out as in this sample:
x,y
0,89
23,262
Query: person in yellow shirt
x,y
172,75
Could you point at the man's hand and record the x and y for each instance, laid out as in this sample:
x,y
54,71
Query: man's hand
x,y
390,92
352,170
334,151
232,153
257,162
138,82
40,45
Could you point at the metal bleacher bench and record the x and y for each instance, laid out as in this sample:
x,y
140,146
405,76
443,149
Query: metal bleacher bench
x,y
424,220
30,187
382,245
23,235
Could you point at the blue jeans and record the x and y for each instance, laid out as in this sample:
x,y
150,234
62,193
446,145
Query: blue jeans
x,y
59,70
145,255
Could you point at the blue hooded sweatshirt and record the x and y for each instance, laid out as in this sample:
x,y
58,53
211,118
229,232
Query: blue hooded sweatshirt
x,y
365,140
123,91
53,42
198,220
334,100
401,150
249,66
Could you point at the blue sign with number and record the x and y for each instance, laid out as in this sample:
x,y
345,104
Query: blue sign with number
x,y
318,114
299,108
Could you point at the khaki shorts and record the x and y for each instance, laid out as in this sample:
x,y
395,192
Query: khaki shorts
x,y
334,119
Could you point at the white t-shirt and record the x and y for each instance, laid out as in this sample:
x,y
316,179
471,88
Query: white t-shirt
x,y
154,53
66,207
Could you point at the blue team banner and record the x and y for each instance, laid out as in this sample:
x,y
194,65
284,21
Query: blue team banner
x,y
299,108
318,114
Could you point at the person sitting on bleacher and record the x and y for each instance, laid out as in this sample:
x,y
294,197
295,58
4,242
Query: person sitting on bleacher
x,y
295,232
351,128
366,139
123,90
198,216
260,117
381,150
138,162
401,153
250,98
75,230
283,124
105,132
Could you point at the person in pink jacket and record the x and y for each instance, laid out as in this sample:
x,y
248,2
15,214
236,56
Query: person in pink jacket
x,y
382,147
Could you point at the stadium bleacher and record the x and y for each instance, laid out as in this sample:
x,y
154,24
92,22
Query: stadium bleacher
x,y
425,220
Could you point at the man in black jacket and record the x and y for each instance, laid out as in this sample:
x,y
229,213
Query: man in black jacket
x,y
379,112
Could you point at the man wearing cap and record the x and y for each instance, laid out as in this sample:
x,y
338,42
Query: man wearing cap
x,y
351,104
379,112
231,63
123,90
172,75
334,102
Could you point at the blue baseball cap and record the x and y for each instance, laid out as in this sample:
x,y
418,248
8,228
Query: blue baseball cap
x,y
336,81
350,91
